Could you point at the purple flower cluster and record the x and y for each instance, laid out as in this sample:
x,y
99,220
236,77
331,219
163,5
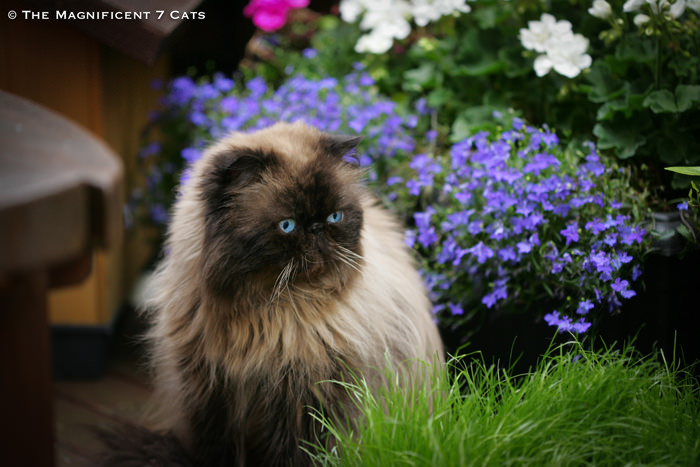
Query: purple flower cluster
x,y
518,220
196,113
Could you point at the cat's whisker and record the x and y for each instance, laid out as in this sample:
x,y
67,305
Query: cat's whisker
x,y
282,283
350,254
349,257
305,267
347,250
349,263
290,277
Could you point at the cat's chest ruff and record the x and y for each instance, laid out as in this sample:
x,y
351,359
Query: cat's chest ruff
x,y
287,333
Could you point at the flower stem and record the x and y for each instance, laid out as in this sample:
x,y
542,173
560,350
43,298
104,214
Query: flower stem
x,y
657,71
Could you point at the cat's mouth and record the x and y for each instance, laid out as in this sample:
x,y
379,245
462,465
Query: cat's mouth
x,y
318,271
337,262
313,265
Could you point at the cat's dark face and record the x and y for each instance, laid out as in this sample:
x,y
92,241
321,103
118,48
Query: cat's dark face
x,y
282,215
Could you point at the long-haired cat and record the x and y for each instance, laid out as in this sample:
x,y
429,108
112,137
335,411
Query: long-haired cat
x,y
281,275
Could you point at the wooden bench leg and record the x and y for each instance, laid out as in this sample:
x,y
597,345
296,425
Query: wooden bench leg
x,y
26,433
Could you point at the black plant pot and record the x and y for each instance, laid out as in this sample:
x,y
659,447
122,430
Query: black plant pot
x,y
665,313
511,341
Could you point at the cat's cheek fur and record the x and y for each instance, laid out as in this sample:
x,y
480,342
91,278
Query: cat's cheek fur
x,y
240,362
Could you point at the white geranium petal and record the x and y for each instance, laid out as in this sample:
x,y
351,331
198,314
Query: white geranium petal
x,y
386,20
543,65
677,9
600,9
374,43
350,10
632,5
640,20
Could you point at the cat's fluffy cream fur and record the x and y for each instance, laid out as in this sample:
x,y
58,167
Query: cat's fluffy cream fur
x,y
292,343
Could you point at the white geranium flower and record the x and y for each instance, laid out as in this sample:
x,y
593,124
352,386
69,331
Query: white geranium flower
x,y
427,11
386,20
632,5
424,12
543,65
350,10
560,48
658,7
538,33
677,9
384,11
568,55
450,7
640,20
600,9
375,43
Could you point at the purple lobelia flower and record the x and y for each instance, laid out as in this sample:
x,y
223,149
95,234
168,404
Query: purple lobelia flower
x,y
521,215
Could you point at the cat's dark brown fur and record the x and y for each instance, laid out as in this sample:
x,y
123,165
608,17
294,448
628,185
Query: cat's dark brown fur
x,y
251,324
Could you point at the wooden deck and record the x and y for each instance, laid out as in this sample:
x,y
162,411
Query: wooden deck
x,y
121,395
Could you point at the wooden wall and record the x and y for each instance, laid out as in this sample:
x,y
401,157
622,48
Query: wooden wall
x,y
62,68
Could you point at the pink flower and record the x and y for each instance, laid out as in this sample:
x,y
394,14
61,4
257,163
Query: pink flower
x,y
270,15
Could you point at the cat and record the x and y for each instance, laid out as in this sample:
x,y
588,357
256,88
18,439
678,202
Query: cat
x,y
282,275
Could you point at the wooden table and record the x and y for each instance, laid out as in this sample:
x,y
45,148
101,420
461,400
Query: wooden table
x,y
60,196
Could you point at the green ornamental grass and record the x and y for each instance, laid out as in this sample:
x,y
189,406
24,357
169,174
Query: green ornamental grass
x,y
579,407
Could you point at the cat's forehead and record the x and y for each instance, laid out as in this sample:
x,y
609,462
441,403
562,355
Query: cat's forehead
x,y
310,181
293,145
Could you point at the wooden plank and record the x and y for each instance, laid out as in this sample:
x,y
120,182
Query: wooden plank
x,y
75,435
68,457
110,397
26,431
80,407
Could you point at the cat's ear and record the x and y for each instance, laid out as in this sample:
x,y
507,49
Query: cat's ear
x,y
237,168
339,145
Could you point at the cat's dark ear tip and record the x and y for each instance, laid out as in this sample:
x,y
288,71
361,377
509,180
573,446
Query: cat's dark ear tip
x,y
237,167
340,145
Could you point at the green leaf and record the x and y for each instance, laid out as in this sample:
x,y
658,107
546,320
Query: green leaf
x,y
328,22
661,101
626,105
439,97
694,171
664,101
634,50
624,136
460,129
425,76
486,17
607,111
686,233
487,66
604,87
672,149
473,119
515,63
687,96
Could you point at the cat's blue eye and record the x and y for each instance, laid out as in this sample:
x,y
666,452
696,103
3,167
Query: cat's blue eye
x,y
287,225
335,217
